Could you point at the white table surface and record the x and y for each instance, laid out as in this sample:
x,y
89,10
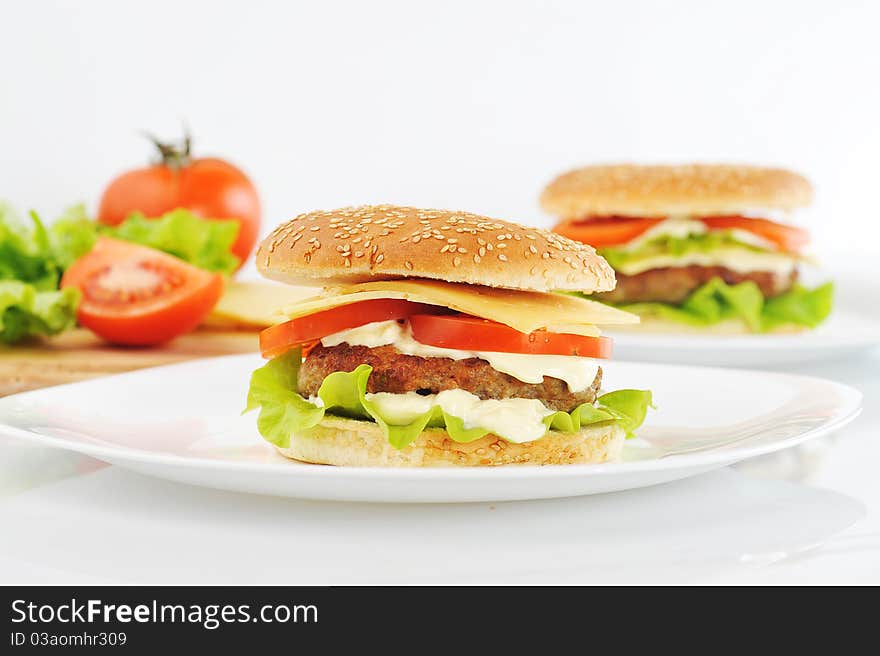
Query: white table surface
x,y
805,516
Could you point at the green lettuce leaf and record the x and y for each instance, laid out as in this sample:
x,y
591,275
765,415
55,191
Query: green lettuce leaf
x,y
800,306
25,252
284,412
203,243
72,235
26,311
717,301
40,255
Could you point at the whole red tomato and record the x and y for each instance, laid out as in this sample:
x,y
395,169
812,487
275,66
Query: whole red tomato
x,y
209,187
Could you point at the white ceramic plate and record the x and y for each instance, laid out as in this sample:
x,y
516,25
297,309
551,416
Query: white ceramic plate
x,y
182,422
844,334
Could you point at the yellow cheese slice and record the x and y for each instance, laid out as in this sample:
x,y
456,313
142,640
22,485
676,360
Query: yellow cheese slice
x,y
254,304
524,311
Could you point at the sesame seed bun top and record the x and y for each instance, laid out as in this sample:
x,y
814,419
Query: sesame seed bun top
x,y
382,242
692,189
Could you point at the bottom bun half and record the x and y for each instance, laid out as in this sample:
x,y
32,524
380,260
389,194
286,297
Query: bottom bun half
x,y
353,443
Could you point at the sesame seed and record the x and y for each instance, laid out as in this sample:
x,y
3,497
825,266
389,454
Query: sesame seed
x,y
380,258
482,251
445,248
501,245
456,261
408,265
533,249
502,257
477,258
315,228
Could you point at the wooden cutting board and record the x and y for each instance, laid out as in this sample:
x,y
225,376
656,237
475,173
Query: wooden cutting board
x,y
78,355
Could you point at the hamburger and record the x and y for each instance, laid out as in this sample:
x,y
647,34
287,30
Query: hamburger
x,y
438,340
703,245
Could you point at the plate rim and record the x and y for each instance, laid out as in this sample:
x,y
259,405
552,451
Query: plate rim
x,y
851,408
700,342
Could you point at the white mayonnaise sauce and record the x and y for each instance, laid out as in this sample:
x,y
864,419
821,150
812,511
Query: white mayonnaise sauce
x,y
516,420
578,372
682,226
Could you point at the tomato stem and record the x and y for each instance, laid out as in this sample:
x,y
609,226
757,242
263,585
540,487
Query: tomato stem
x,y
174,156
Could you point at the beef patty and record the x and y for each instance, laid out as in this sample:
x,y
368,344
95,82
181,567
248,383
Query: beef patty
x,y
398,373
675,284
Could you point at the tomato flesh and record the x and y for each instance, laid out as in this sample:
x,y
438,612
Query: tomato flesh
x,y
603,232
308,329
469,333
136,295
789,238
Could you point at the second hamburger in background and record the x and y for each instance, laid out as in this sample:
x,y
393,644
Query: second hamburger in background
x,y
700,245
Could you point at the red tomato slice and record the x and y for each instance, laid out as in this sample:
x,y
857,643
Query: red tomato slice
x,y
474,334
278,339
136,295
788,238
605,231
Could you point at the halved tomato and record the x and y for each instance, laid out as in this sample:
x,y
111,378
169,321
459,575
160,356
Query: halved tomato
x,y
278,339
469,333
789,238
136,295
605,231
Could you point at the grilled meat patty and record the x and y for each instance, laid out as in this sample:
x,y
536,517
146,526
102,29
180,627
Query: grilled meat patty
x,y
398,373
675,284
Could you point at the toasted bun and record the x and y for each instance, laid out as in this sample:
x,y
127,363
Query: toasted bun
x,y
360,244
353,443
694,189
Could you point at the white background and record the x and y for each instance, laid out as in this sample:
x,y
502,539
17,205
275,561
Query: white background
x,y
465,105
